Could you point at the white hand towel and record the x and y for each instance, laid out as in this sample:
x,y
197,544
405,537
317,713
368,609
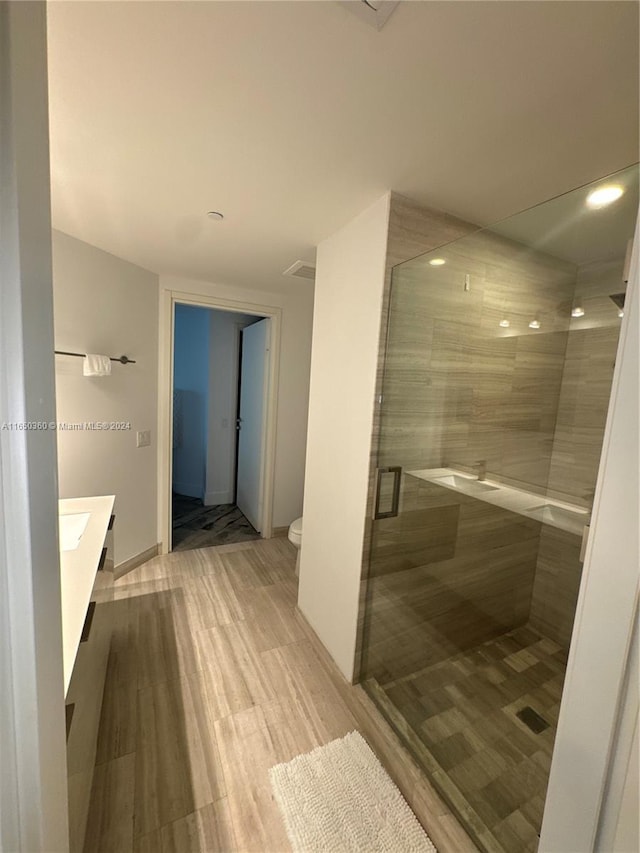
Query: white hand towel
x,y
96,365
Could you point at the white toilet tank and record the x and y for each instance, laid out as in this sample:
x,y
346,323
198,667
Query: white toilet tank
x,y
295,532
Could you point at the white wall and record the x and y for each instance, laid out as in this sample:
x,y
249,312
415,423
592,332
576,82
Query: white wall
x,y
350,271
191,400
293,389
619,830
33,786
627,836
224,343
107,305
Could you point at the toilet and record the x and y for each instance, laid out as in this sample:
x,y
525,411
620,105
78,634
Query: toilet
x,y
295,537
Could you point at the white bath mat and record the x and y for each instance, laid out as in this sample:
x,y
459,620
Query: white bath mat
x,y
339,799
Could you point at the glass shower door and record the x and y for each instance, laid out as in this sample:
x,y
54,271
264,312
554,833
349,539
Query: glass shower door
x,y
499,361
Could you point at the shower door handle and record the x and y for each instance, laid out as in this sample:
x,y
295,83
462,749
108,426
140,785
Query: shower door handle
x,y
396,472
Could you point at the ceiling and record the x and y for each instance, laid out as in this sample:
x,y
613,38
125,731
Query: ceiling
x,y
291,117
567,228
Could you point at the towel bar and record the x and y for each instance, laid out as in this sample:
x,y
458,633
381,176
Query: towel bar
x,y
123,359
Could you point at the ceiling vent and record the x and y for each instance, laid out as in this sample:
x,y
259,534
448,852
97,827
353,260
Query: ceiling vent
x,y
301,270
376,13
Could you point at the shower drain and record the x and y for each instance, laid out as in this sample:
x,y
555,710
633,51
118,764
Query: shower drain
x,y
532,719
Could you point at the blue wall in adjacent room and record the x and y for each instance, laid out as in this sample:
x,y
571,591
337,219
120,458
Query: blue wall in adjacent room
x,y
191,399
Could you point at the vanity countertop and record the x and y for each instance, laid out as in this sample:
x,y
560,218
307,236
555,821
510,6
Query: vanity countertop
x,y
83,527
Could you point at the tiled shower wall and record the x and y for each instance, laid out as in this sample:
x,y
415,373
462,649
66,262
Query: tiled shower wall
x,y
586,383
577,442
413,230
449,571
458,387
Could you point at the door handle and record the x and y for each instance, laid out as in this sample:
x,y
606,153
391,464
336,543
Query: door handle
x,y
396,471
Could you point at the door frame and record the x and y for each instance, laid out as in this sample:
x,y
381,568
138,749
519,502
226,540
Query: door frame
x,y
169,299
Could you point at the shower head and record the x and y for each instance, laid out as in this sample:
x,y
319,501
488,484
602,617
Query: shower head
x,y
618,299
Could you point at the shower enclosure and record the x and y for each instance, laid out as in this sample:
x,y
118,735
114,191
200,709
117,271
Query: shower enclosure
x,y
499,362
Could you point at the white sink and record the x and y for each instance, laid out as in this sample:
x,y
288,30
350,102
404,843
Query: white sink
x,y
72,526
455,481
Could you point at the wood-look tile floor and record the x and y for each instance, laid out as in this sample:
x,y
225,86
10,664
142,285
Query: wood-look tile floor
x,y
214,677
464,711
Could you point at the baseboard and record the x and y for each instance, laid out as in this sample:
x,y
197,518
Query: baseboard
x,y
279,531
217,498
133,562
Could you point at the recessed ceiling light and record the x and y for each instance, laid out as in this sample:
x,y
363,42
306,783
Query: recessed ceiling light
x,y
534,324
604,196
577,311
504,323
215,214
437,262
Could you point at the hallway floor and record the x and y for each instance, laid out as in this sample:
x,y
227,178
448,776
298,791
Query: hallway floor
x,y
198,526
214,677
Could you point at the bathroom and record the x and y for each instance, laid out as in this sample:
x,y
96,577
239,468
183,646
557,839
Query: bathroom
x,y
495,369
466,583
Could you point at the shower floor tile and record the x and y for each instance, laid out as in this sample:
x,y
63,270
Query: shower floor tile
x,y
464,712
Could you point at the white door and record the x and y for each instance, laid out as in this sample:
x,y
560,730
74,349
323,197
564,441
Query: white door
x,y
251,421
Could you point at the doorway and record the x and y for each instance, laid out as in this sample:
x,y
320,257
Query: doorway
x,y
219,394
